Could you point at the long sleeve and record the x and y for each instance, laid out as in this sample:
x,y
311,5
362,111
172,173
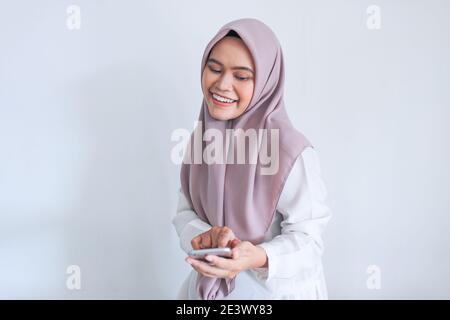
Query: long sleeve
x,y
187,223
305,214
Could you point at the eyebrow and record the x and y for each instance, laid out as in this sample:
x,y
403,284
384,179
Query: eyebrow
x,y
233,68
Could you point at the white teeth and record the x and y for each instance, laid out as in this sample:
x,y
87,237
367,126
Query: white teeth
x,y
222,99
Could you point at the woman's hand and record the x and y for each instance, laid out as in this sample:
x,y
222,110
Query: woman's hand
x,y
216,237
245,255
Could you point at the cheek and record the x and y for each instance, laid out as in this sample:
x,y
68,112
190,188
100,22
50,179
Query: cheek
x,y
246,92
204,83
207,80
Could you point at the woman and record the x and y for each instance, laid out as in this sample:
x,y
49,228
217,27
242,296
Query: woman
x,y
273,221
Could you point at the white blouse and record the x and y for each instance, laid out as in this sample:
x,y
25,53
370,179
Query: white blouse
x,y
293,244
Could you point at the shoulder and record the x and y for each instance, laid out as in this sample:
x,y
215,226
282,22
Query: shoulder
x,y
303,179
306,164
309,159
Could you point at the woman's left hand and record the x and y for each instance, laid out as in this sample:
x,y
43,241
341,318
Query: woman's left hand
x,y
245,255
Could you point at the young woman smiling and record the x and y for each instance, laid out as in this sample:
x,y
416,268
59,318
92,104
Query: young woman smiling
x,y
273,223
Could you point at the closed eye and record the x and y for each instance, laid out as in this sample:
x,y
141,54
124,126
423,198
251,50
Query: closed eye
x,y
214,71
219,71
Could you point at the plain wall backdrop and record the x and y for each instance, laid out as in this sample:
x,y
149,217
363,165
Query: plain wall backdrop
x,y
86,118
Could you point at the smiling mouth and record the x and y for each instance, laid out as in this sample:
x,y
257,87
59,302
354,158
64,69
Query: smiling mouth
x,y
221,100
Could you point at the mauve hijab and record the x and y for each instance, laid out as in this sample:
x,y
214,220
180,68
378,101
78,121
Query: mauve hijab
x,y
238,195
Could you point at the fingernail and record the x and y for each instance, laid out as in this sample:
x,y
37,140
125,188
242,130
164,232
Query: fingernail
x,y
188,261
209,258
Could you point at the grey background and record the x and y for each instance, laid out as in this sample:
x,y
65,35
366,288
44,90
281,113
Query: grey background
x,y
86,118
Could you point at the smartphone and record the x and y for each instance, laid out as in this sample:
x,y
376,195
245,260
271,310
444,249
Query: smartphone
x,y
201,253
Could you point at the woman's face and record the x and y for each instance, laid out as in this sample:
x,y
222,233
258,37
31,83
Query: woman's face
x,y
228,79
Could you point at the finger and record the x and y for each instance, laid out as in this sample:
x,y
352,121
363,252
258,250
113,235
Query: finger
x,y
214,240
201,272
224,238
208,270
222,263
198,267
235,242
234,254
195,242
215,231
206,240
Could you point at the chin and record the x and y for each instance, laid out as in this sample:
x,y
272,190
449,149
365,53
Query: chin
x,y
218,115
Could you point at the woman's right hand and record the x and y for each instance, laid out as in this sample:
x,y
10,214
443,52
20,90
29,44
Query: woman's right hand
x,y
216,237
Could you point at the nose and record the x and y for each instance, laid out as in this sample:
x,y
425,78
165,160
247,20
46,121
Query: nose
x,y
224,83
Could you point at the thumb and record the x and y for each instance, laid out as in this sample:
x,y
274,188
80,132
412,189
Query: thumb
x,y
234,249
234,242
